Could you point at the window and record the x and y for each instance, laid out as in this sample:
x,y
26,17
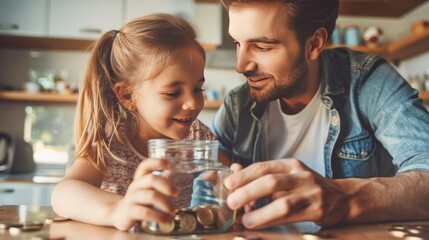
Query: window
x,y
49,129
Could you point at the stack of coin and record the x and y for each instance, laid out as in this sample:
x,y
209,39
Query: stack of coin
x,y
200,219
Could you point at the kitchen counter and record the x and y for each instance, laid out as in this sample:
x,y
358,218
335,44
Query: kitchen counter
x,y
43,175
80,231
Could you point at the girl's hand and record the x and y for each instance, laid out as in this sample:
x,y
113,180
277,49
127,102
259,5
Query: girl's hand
x,y
147,197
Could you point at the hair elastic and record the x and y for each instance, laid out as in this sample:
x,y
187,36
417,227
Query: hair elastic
x,y
115,33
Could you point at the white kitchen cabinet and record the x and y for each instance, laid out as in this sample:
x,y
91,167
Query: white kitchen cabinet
x,y
14,193
208,23
23,17
84,19
137,8
205,17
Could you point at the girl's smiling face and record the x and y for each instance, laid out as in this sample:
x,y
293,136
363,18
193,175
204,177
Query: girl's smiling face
x,y
168,103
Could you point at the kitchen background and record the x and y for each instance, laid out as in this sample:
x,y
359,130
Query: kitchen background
x,y
44,47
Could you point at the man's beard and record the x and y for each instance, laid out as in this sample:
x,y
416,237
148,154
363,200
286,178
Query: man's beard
x,y
293,85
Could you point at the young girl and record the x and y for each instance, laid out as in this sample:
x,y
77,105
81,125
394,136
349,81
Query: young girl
x,y
143,81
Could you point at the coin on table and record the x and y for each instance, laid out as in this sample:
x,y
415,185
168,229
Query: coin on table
x,y
398,227
247,237
205,216
414,237
56,219
6,225
187,223
397,232
316,235
46,237
167,227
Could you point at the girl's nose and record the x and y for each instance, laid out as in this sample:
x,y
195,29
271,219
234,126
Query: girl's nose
x,y
191,103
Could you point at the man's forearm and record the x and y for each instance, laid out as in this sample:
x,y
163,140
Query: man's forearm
x,y
402,197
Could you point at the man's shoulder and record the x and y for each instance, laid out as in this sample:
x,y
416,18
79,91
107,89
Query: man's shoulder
x,y
354,59
238,96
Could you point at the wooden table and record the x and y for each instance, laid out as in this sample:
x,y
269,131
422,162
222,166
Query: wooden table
x,y
81,231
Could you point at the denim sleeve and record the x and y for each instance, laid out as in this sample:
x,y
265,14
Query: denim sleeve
x,y
224,126
397,116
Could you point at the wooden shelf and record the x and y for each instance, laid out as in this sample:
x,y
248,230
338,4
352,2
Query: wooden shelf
x,y
399,50
212,104
20,96
424,96
396,51
7,41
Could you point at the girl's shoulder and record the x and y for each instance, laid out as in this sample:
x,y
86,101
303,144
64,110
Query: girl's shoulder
x,y
200,131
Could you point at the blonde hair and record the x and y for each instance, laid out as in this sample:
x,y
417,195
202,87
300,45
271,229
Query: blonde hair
x,y
140,50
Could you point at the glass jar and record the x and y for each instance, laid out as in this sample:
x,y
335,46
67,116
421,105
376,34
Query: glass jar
x,y
201,203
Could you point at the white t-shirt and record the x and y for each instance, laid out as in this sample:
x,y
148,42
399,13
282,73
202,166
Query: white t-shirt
x,y
301,136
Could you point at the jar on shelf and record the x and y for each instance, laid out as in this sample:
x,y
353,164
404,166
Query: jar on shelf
x,y
373,36
352,35
201,204
335,38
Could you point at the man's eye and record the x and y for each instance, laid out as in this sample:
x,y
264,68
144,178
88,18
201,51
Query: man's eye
x,y
263,49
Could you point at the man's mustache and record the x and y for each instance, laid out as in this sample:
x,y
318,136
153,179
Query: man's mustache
x,y
254,74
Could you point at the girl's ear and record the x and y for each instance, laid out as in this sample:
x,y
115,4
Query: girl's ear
x,y
317,43
125,95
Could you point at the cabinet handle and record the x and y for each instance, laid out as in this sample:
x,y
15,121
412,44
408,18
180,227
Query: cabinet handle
x,y
90,30
9,26
7,190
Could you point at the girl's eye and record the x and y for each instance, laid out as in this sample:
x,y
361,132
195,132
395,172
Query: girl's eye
x,y
198,90
173,94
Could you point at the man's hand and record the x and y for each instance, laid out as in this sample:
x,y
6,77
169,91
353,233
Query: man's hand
x,y
297,193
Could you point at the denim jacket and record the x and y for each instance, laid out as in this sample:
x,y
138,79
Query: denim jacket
x,y
378,125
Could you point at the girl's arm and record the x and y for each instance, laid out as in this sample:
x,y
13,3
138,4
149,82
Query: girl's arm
x,y
79,197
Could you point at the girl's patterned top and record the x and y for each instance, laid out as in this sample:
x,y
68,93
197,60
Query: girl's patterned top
x,y
120,173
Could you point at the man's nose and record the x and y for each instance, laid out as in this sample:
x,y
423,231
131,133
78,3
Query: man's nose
x,y
245,62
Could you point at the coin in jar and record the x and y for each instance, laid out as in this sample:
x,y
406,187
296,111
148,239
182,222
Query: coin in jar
x,y
187,223
167,227
205,216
